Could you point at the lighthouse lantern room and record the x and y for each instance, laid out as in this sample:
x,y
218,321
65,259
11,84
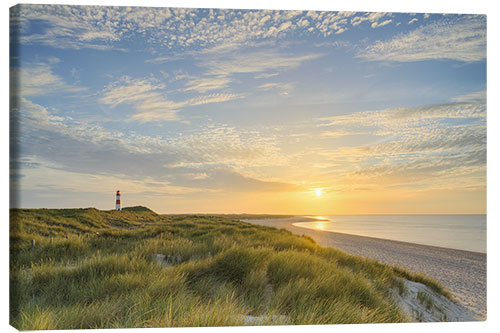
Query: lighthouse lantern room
x,y
118,204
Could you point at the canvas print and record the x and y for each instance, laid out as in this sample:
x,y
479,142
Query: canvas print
x,y
181,167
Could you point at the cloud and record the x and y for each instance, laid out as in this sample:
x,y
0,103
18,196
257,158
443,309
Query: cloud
x,y
219,70
462,39
213,158
409,116
380,24
285,88
256,62
432,141
230,180
338,133
148,98
209,83
265,75
70,27
473,97
332,22
411,145
38,79
207,99
157,108
373,18
436,170
53,60
164,59
103,28
128,90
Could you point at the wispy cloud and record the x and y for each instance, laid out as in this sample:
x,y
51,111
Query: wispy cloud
x,y
256,62
381,24
408,116
209,83
412,144
213,158
128,90
164,59
218,71
162,130
473,97
462,39
148,98
265,75
282,87
38,79
339,133
413,20
207,99
428,172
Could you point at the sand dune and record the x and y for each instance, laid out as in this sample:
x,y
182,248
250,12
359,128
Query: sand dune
x,y
461,272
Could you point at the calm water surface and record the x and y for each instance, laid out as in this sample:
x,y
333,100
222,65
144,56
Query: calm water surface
x,y
463,232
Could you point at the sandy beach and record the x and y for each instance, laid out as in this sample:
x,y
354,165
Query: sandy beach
x,y
461,272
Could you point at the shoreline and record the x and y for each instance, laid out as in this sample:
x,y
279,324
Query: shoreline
x,y
387,239
462,272
305,219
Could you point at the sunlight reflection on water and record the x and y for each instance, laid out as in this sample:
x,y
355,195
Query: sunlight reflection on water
x,y
464,232
320,225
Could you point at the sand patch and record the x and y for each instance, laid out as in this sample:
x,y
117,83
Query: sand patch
x,y
422,304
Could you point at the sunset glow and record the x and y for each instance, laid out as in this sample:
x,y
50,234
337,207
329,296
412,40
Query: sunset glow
x,y
250,111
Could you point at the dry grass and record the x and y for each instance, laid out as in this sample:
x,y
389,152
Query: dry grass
x,y
215,272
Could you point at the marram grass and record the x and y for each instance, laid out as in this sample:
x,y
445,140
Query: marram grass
x,y
107,269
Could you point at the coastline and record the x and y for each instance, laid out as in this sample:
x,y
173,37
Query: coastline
x,y
463,273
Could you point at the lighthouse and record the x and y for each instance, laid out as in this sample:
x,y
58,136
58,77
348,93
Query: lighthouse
x,y
118,205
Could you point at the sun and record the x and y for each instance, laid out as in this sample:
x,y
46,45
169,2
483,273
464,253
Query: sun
x,y
318,191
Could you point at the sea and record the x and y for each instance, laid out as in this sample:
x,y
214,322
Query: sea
x,y
462,232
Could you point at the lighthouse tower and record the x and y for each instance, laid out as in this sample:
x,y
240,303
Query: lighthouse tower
x,y
118,205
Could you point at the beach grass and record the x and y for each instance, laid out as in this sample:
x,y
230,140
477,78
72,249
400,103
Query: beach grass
x,y
86,268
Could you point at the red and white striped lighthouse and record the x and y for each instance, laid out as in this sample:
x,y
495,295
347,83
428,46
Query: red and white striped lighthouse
x,y
118,204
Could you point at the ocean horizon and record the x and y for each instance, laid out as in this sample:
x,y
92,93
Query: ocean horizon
x,y
462,232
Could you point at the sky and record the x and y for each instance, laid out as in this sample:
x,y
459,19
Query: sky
x,y
256,111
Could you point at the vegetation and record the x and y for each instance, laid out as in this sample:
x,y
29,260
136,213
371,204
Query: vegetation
x,y
425,299
242,216
108,269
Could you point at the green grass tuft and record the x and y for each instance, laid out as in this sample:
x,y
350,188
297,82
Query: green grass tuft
x,y
135,268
